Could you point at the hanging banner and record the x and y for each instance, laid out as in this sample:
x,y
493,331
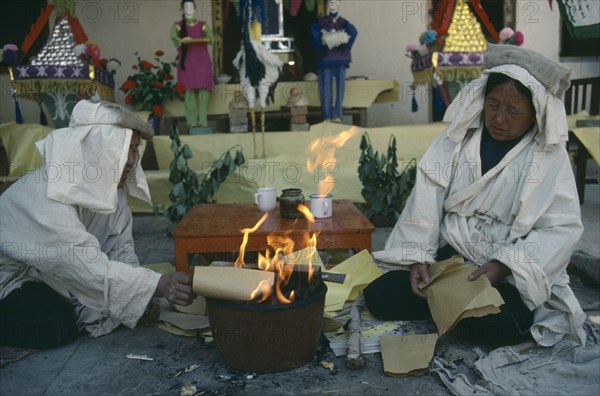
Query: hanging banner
x,y
582,17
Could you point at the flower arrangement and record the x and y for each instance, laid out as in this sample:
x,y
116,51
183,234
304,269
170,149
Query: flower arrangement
x,y
90,53
151,84
509,36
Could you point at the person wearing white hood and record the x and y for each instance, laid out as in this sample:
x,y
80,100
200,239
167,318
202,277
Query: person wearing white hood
x,y
497,188
67,260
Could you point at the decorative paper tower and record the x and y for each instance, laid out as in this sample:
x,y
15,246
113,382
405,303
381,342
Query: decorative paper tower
x,y
461,57
56,76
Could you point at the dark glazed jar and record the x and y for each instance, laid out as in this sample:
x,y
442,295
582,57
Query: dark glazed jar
x,y
288,203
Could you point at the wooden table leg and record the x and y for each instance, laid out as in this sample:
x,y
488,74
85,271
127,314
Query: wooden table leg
x,y
181,258
366,244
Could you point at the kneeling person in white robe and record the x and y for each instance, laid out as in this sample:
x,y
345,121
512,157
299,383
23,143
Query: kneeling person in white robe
x,y
67,260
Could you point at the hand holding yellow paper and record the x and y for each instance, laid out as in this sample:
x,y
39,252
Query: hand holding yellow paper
x,y
452,297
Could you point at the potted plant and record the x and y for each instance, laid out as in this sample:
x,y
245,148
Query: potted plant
x,y
150,85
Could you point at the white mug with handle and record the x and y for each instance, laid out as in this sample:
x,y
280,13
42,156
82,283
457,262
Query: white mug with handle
x,y
321,206
266,198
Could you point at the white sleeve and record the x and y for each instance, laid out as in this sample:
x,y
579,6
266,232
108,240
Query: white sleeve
x,y
415,237
51,239
545,231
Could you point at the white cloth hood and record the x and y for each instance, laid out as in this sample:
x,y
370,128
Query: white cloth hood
x,y
84,162
466,109
107,113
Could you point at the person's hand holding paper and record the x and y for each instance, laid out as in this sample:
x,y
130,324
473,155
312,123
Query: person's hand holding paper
x,y
451,296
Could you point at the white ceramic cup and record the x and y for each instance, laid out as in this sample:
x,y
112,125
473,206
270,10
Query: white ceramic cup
x,y
321,206
265,198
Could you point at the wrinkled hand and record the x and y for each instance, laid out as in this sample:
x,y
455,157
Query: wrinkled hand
x,y
176,287
494,270
418,273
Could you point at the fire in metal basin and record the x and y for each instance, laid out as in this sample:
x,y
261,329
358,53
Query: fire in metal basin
x,y
267,337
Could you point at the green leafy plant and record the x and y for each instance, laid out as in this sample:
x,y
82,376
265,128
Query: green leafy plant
x,y
188,188
385,188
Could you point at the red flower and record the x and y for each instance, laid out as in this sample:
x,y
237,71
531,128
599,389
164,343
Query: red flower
x,y
127,85
146,65
147,87
157,110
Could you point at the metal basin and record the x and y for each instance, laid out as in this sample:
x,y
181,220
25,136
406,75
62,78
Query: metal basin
x,y
267,337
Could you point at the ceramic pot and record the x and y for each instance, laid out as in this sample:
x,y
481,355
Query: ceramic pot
x,y
288,203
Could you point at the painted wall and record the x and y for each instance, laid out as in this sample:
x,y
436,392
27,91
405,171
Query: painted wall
x,y
385,28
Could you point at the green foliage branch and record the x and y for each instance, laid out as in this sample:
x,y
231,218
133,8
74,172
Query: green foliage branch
x,y
385,188
188,188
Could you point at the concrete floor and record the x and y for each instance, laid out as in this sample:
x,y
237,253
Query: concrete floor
x,y
100,366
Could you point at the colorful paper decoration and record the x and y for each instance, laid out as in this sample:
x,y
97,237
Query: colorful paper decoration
x,y
57,76
456,53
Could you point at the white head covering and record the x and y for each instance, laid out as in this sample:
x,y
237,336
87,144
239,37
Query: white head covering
x,y
84,162
466,109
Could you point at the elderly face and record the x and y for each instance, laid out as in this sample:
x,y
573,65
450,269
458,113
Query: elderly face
x,y
132,157
508,114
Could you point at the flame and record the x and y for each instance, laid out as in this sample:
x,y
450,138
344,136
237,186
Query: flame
x,y
310,241
283,245
246,231
262,292
324,149
311,244
279,246
307,213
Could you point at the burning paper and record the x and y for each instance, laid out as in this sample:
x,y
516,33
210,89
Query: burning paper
x,y
230,283
274,261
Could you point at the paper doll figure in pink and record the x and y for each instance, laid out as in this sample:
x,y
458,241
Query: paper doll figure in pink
x,y
194,66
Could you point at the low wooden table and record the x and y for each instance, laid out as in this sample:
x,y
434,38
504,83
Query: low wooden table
x,y
216,228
